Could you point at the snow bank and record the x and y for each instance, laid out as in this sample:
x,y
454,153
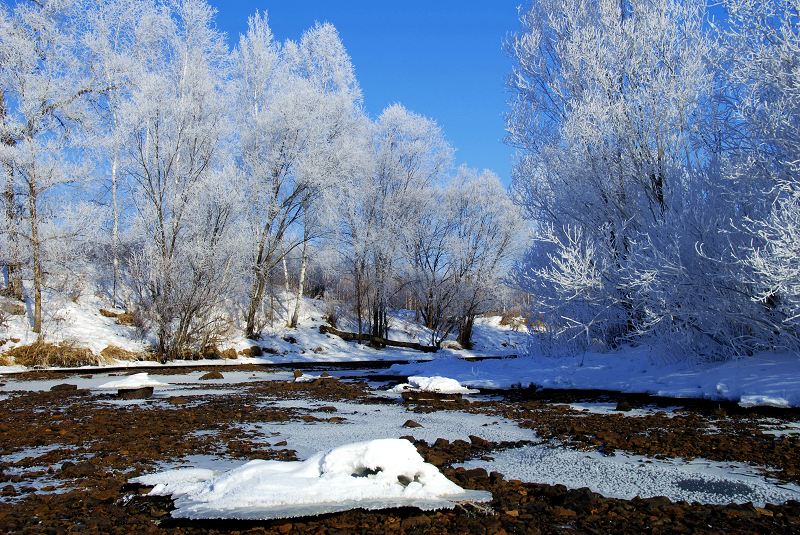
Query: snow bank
x,y
132,382
371,475
763,379
437,383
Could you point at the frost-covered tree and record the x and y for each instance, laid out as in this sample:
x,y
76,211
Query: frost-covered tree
x,y
460,252
115,40
299,112
607,98
45,87
761,62
409,156
185,193
656,154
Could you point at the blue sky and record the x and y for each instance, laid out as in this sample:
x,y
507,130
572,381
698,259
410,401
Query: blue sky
x,y
442,58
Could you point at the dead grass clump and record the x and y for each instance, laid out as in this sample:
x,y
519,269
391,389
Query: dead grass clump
x,y
63,355
252,351
123,318
513,318
126,318
113,352
5,360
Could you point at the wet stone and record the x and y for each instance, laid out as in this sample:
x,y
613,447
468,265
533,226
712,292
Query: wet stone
x,y
145,392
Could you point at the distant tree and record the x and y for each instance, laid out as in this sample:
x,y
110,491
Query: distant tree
x,y
410,155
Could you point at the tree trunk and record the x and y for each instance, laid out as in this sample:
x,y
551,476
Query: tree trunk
x,y
465,331
114,227
286,275
300,283
14,288
36,247
256,297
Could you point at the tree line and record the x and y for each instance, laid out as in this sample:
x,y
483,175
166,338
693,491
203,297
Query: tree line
x,y
202,187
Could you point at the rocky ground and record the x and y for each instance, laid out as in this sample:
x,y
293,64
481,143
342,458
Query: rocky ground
x,y
87,451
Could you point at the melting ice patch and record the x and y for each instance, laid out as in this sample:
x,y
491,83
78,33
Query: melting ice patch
x,y
627,476
371,475
364,421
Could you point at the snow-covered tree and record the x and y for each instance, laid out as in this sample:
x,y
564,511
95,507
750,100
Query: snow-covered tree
x,y
409,157
460,252
185,193
607,98
761,63
299,115
45,87
115,40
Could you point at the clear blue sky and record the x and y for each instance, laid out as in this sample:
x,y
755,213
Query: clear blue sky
x,y
440,58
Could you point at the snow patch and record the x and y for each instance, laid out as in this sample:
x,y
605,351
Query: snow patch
x,y
371,475
438,384
132,382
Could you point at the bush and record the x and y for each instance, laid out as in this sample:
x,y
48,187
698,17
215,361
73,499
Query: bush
x,y
63,355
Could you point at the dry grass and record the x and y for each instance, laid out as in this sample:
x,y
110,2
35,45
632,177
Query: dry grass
x,y
126,318
113,352
513,318
5,360
252,351
43,354
123,318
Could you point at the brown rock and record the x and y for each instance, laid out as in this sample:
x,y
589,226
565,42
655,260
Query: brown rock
x,y
211,375
145,392
420,522
64,387
479,442
412,424
252,351
81,469
563,511
623,406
